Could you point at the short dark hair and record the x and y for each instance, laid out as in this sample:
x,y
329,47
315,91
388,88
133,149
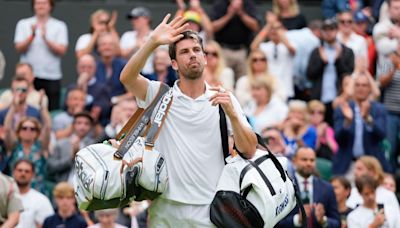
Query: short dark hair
x,y
52,3
19,78
84,114
189,34
366,181
343,181
29,162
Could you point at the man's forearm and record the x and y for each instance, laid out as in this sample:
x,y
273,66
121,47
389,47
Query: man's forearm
x,y
57,49
245,139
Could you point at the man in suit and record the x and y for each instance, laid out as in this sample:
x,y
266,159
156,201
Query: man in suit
x,y
359,128
317,195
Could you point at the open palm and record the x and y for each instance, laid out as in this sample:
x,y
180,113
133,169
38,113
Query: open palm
x,y
167,33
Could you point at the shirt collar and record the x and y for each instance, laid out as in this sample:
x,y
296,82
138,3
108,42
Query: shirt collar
x,y
300,179
205,96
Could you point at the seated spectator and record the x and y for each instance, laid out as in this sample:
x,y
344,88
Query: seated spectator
x,y
107,218
75,103
288,12
326,143
66,215
342,187
331,7
98,98
256,67
279,52
359,128
346,92
216,72
370,166
196,17
37,206
100,22
371,213
163,71
131,41
266,110
10,202
274,140
19,107
297,132
62,157
389,182
24,70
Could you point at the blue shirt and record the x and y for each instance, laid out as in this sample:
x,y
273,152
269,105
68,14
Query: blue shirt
x,y
358,145
329,78
30,111
55,221
112,81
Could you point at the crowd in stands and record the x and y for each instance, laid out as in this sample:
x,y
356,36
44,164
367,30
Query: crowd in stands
x,y
324,93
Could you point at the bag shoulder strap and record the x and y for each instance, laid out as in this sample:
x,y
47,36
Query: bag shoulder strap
x,y
132,129
224,132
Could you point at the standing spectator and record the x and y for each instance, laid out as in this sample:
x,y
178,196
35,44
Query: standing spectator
x,y
216,71
342,187
61,159
266,110
42,40
390,83
10,202
331,7
163,71
359,128
107,218
326,145
288,12
66,215
24,70
327,66
131,41
37,206
348,37
100,22
371,213
317,195
109,67
297,132
234,23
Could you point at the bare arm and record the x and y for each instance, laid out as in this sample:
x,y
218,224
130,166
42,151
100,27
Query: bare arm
x,y
260,37
46,129
249,21
11,221
23,46
10,136
58,49
89,48
385,79
221,22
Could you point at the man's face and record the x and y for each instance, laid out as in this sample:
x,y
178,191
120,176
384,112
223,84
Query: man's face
x,y
329,34
76,101
304,162
23,174
20,89
161,60
106,46
86,64
82,126
141,22
346,23
394,10
42,7
25,71
368,195
362,88
190,59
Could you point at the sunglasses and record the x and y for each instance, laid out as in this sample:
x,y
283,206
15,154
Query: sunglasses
x,y
254,60
317,112
209,53
25,128
346,22
21,89
104,22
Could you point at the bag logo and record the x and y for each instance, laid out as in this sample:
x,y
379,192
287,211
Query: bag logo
x,y
163,108
282,206
85,178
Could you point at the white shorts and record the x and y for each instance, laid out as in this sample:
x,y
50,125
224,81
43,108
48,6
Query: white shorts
x,y
168,213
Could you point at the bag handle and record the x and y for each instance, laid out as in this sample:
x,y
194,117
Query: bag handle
x,y
132,129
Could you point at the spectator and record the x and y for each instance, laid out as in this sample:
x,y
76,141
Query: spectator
x,y
279,52
266,110
389,80
109,67
24,70
348,37
327,66
234,23
326,145
42,40
342,187
359,128
61,159
107,218
18,108
196,18
10,202
389,182
216,71
331,7
75,103
100,22
98,96
370,166
371,213
256,67
289,14
317,195
131,41
66,215
163,71
346,92
37,206
297,132
274,140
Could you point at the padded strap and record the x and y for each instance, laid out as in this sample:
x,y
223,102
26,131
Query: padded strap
x,y
300,204
224,132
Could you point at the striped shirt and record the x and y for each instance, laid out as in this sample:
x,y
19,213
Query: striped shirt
x,y
391,93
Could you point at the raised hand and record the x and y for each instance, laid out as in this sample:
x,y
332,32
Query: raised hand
x,y
222,98
113,20
167,33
